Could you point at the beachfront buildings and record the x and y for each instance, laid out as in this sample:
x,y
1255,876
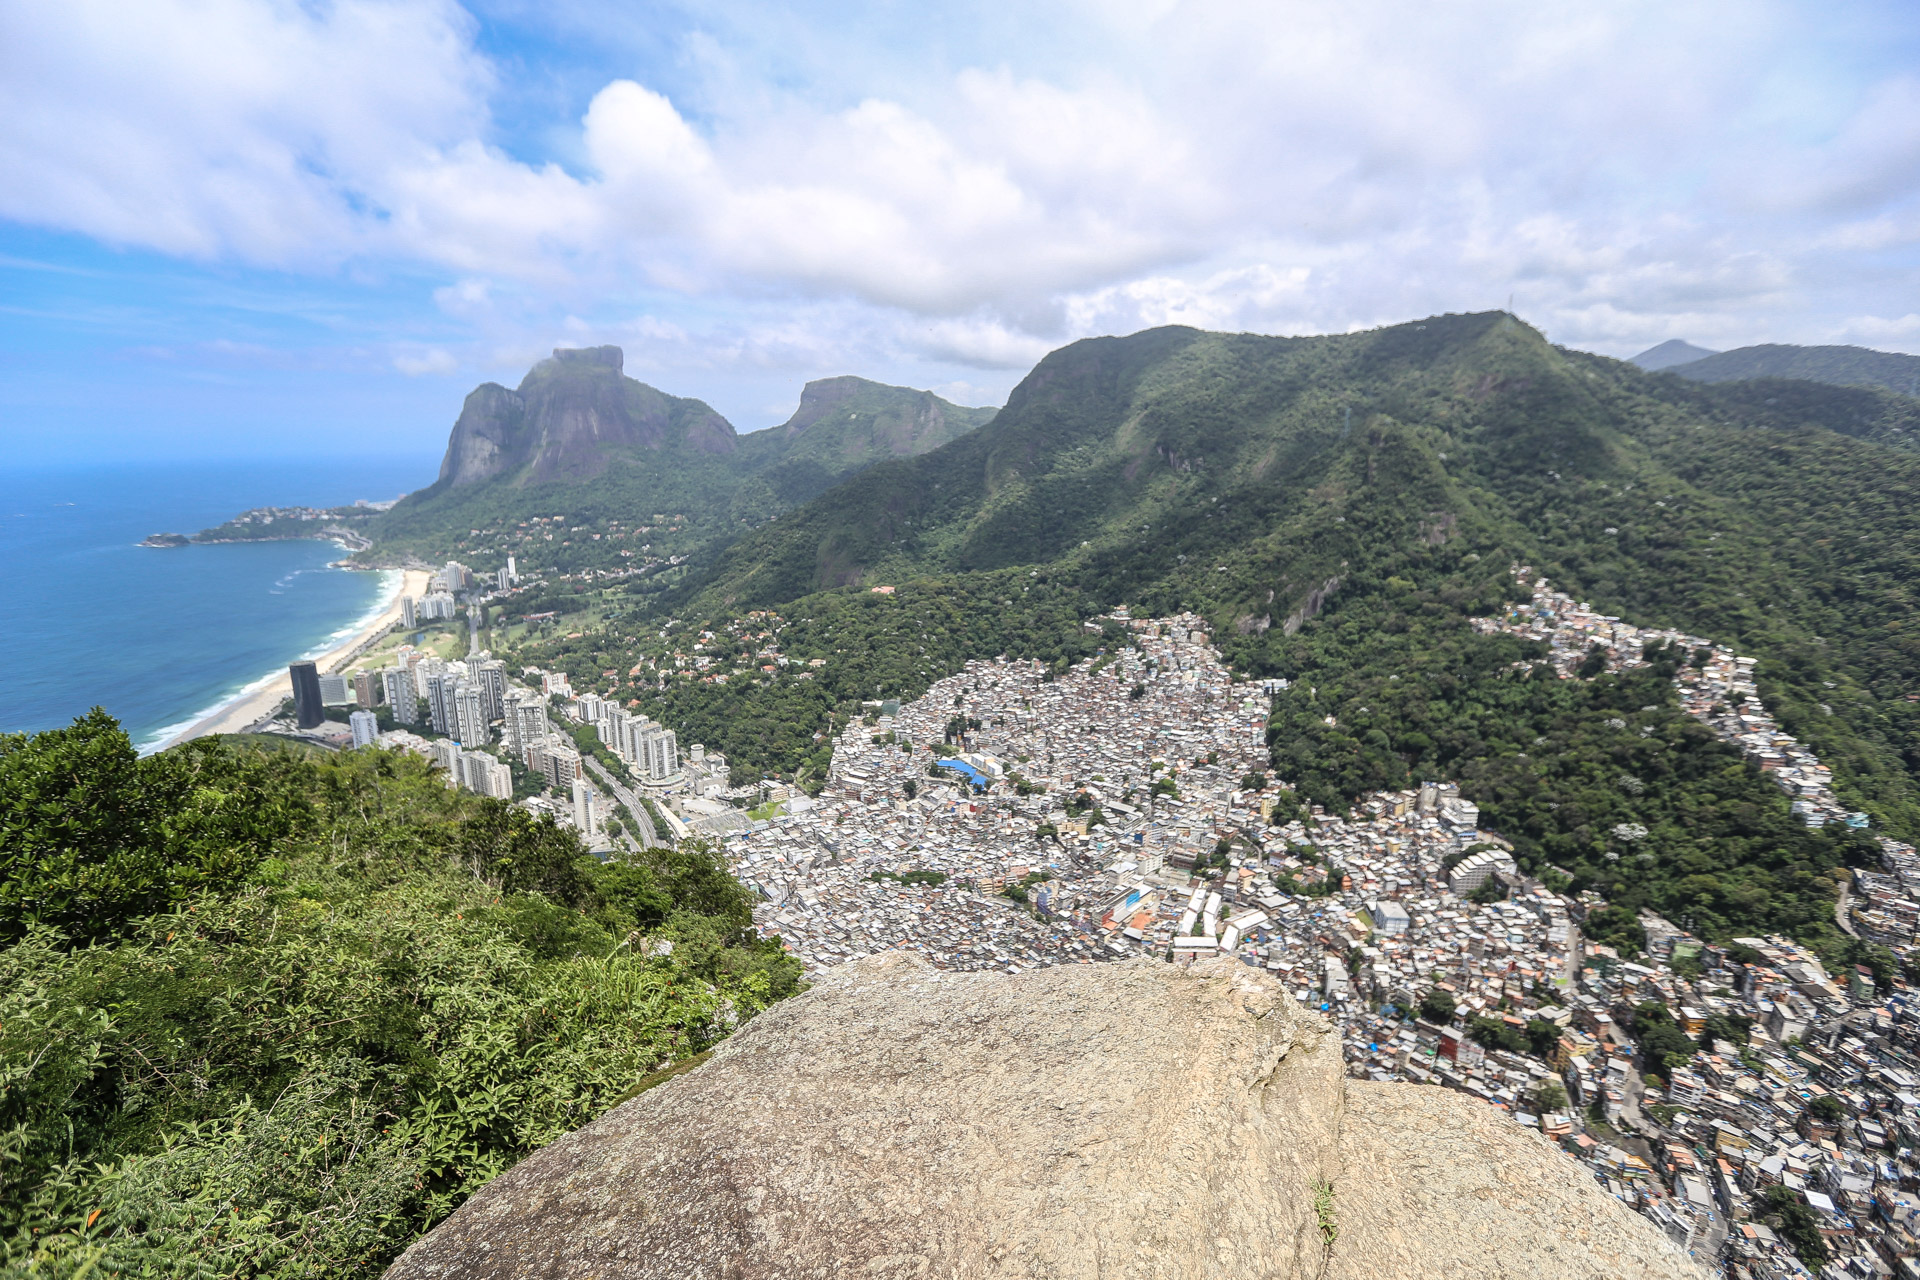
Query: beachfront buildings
x,y
308,710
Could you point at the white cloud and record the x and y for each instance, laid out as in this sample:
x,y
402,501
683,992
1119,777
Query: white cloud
x,y
1628,172
215,128
431,361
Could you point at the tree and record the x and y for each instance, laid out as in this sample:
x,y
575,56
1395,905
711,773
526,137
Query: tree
x,y
1663,1045
1437,1006
1827,1109
1548,1096
1543,1037
1796,1224
92,835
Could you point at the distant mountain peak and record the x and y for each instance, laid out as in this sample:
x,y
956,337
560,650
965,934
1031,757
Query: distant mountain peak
x,y
823,396
1673,351
568,418
604,357
842,419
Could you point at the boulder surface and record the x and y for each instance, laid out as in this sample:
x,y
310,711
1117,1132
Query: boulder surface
x,y
1124,1120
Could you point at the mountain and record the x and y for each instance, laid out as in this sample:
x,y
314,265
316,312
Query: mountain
x,y
1838,366
571,416
1384,483
1669,353
845,423
581,440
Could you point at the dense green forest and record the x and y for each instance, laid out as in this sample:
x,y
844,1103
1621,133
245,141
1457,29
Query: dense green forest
x,y
270,1015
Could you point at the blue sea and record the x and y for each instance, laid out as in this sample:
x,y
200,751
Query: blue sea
x,y
161,637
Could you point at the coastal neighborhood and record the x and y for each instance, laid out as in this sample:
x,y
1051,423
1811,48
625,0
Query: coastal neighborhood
x,y
1015,816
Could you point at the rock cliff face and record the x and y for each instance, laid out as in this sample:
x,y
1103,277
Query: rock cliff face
x,y
570,416
1127,1120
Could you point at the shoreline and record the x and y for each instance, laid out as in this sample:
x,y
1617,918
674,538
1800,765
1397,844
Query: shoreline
x,y
260,698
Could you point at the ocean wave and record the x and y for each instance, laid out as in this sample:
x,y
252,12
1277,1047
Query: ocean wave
x,y
390,583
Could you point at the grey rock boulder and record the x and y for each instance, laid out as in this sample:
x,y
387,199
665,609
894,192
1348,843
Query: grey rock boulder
x,y
1126,1120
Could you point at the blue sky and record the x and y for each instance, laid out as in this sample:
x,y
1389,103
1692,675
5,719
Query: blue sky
x,y
257,227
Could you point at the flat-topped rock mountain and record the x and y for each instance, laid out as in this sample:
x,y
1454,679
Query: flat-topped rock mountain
x,y
1125,1120
568,419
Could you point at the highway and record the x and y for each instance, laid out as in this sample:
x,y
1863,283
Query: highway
x,y
642,824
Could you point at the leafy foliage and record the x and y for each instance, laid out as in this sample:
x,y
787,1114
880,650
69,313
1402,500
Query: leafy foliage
x,y
299,1065
1438,1006
92,836
1797,1224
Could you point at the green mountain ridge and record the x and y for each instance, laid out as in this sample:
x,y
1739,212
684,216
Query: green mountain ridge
x,y
1840,366
1267,482
581,439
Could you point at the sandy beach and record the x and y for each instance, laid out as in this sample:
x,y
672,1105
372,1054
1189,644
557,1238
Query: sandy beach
x,y
262,696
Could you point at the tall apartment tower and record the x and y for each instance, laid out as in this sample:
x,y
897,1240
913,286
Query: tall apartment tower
x,y
442,716
409,616
586,820
490,675
366,728
656,751
481,774
526,722
499,779
396,683
513,574
366,688
308,711
560,762
470,715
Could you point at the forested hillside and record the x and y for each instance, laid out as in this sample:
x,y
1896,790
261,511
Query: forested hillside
x,y
1837,365
1270,481
267,1015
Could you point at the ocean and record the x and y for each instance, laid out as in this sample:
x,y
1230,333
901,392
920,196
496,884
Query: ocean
x,y
161,637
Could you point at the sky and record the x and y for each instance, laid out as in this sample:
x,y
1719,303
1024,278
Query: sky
x,y
238,228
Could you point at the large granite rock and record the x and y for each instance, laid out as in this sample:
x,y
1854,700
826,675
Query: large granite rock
x,y
1127,1120
571,416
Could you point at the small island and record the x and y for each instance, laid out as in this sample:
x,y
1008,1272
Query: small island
x,y
165,540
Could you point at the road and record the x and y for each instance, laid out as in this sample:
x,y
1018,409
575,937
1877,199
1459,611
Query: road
x,y
642,824
1843,909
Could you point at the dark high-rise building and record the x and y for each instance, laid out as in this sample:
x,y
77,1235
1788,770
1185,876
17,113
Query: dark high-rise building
x,y
308,710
